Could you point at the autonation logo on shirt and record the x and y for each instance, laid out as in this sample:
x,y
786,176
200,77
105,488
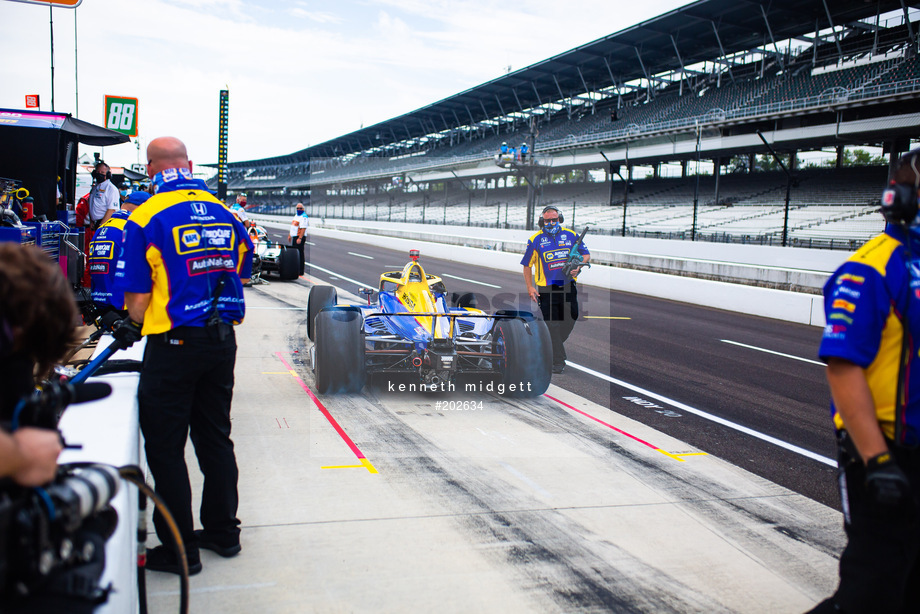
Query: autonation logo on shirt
x,y
208,264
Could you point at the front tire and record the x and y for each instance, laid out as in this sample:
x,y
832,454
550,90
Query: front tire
x,y
339,352
526,356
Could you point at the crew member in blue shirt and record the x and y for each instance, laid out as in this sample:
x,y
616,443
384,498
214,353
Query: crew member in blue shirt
x,y
544,259
105,250
872,309
186,259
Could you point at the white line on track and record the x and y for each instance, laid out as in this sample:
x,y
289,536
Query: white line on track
x,y
354,281
309,242
754,347
708,416
472,281
360,255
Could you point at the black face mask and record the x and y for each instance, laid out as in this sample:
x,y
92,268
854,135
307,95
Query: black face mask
x,y
99,177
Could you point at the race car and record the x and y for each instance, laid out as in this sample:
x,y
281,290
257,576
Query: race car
x,y
410,329
273,257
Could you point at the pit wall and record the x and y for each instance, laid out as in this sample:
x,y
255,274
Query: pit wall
x,y
783,283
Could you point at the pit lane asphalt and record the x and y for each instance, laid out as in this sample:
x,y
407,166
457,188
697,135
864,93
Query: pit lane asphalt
x,y
669,348
383,502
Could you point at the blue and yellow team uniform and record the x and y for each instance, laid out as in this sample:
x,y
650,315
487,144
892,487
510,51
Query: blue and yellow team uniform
x,y
105,256
865,302
547,254
180,246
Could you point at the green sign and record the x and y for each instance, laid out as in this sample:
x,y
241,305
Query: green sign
x,y
121,114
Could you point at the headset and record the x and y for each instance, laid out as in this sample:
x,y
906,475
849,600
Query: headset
x,y
899,200
556,209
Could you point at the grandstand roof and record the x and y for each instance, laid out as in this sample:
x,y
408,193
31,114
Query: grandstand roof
x,y
703,30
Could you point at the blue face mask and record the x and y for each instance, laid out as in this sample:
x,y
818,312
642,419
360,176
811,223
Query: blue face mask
x,y
550,229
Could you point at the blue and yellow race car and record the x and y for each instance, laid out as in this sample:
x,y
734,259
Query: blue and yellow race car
x,y
410,329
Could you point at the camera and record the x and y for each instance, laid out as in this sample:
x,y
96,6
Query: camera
x,y
52,538
48,535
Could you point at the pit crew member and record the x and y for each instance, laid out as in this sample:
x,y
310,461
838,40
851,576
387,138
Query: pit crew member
x,y
544,259
186,259
872,311
105,250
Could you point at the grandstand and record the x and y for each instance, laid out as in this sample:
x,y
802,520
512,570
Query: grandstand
x,y
706,87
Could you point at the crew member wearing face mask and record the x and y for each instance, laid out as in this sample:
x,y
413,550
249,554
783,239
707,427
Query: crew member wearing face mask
x,y
104,199
544,259
299,232
872,310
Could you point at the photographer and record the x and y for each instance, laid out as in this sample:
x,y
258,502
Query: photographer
x,y
29,456
872,307
38,318
37,324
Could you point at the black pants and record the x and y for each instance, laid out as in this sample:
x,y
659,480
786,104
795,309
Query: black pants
x,y
299,243
187,389
880,566
559,305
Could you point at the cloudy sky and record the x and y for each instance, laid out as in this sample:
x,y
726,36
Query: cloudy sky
x,y
300,72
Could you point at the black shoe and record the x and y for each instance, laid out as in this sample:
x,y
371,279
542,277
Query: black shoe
x,y
164,559
559,367
224,550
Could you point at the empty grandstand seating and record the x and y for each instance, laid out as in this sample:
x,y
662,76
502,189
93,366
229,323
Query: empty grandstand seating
x,y
827,207
824,205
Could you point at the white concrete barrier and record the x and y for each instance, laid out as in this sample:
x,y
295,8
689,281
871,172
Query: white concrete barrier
x,y
766,302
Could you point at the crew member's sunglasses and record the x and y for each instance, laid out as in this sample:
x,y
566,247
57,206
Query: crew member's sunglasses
x,y
551,220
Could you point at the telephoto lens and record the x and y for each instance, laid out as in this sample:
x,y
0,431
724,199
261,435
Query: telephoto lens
x,y
84,492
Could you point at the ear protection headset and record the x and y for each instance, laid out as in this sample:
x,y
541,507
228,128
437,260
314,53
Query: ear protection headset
x,y
551,208
899,200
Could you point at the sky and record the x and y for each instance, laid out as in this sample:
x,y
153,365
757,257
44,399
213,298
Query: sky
x,y
299,72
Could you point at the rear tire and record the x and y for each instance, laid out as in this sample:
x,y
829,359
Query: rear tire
x,y
526,356
319,298
289,264
339,352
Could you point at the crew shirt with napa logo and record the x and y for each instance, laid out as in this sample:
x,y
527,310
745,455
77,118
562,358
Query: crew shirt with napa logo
x,y
547,254
179,247
865,302
104,258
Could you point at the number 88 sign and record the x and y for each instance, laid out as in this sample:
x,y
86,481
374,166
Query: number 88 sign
x,y
121,114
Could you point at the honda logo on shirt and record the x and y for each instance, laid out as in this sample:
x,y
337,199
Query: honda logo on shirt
x,y
200,208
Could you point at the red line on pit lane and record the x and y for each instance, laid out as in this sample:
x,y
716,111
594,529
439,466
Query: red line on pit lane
x,y
322,408
622,432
